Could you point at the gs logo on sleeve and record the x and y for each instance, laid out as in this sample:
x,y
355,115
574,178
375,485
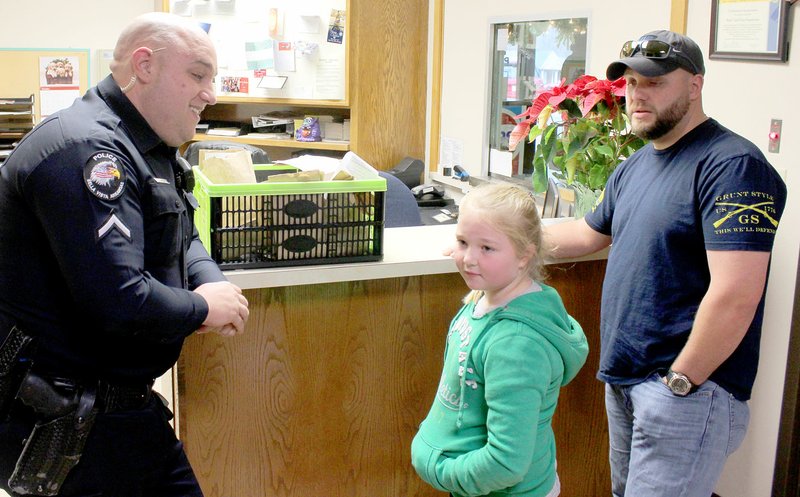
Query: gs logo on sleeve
x,y
104,176
745,212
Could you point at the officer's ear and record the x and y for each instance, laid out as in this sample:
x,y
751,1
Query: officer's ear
x,y
142,62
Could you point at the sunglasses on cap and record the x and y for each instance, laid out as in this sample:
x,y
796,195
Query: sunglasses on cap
x,y
653,49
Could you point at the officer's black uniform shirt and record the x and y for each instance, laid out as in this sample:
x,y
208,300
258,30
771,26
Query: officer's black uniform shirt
x,y
97,248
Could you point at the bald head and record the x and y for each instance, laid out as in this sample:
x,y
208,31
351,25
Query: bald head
x,y
154,30
165,65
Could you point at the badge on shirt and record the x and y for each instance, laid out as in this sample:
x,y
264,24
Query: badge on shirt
x,y
104,176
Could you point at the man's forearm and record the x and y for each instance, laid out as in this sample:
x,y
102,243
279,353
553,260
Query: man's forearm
x,y
719,328
725,313
573,239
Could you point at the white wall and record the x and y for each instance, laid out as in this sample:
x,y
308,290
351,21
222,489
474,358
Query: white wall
x,y
58,24
467,57
744,96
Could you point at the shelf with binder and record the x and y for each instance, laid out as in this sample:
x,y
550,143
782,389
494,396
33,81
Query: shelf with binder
x,y
254,139
232,119
17,118
297,102
243,109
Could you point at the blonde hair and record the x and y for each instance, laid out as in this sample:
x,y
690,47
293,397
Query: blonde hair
x,y
511,210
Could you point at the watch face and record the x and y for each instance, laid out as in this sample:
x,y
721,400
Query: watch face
x,y
679,385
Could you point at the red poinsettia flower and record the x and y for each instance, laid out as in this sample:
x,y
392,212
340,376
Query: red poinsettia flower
x,y
587,140
585,92
578,88
601,90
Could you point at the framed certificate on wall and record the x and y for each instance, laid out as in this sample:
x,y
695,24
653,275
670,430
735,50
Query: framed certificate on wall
x,y
749,29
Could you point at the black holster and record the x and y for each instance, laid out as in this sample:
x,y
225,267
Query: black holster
x,y
66,414
13,366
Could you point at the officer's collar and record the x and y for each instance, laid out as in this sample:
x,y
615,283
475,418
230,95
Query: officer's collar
x,y
140,132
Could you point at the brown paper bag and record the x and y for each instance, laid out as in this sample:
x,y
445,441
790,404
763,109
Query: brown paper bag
x,y
245,211
227,166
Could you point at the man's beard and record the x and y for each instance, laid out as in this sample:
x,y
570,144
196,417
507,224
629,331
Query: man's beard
x,y
665,120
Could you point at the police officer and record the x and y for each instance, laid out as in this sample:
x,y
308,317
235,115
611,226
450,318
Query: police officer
x,y
101,267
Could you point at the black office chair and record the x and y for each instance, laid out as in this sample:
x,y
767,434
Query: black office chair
x,y
409,171
401,206
192,153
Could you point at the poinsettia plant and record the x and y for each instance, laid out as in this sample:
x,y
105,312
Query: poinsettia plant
x,y
584,131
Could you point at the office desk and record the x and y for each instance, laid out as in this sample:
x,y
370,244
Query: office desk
x,y
323,393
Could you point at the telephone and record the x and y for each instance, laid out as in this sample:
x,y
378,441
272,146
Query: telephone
x,y
428,191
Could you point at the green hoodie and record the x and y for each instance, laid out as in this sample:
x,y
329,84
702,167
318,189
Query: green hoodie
x,y
489,430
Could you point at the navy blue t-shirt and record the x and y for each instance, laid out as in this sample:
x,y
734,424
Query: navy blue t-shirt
x,y
712,190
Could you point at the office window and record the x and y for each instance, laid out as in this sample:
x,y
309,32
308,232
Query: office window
x,y
528,55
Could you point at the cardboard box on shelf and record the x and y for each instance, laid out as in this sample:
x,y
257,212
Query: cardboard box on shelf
x,y
332,131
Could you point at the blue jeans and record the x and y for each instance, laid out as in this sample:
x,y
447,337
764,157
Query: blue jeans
x,y
662,445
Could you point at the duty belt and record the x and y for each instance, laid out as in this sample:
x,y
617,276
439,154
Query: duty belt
x,y
65,411
112,397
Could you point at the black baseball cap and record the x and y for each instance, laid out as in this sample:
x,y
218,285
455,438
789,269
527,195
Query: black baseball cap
x,y
658,53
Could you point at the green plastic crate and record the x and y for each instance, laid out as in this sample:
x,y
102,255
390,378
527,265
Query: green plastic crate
x,y
247,226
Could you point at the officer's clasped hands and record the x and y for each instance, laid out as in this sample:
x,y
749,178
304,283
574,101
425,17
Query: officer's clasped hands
x,y
227,308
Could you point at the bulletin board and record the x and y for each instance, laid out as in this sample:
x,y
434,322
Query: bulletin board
x,y
55,77
282,49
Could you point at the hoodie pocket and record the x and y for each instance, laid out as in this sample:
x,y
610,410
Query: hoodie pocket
x,y
424,458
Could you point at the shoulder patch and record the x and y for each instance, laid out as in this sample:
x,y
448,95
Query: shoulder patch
x,y
104,176
746,211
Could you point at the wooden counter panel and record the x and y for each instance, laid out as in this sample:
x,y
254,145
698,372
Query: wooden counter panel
x,y
323,394
580,419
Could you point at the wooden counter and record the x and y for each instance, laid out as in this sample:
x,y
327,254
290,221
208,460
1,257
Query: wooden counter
x,y
323,393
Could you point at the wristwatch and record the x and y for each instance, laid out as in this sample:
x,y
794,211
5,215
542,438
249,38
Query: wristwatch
x,y
679,383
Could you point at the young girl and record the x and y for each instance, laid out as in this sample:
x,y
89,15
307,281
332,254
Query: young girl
x,y
509,350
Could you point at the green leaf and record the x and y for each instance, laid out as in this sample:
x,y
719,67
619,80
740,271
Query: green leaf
x,y
620,120
535,131
575,147
548,133
540,180
549,144
598,175
571,166
605,150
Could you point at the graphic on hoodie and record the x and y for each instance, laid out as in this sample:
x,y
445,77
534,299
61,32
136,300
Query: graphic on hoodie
x,y
450,387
